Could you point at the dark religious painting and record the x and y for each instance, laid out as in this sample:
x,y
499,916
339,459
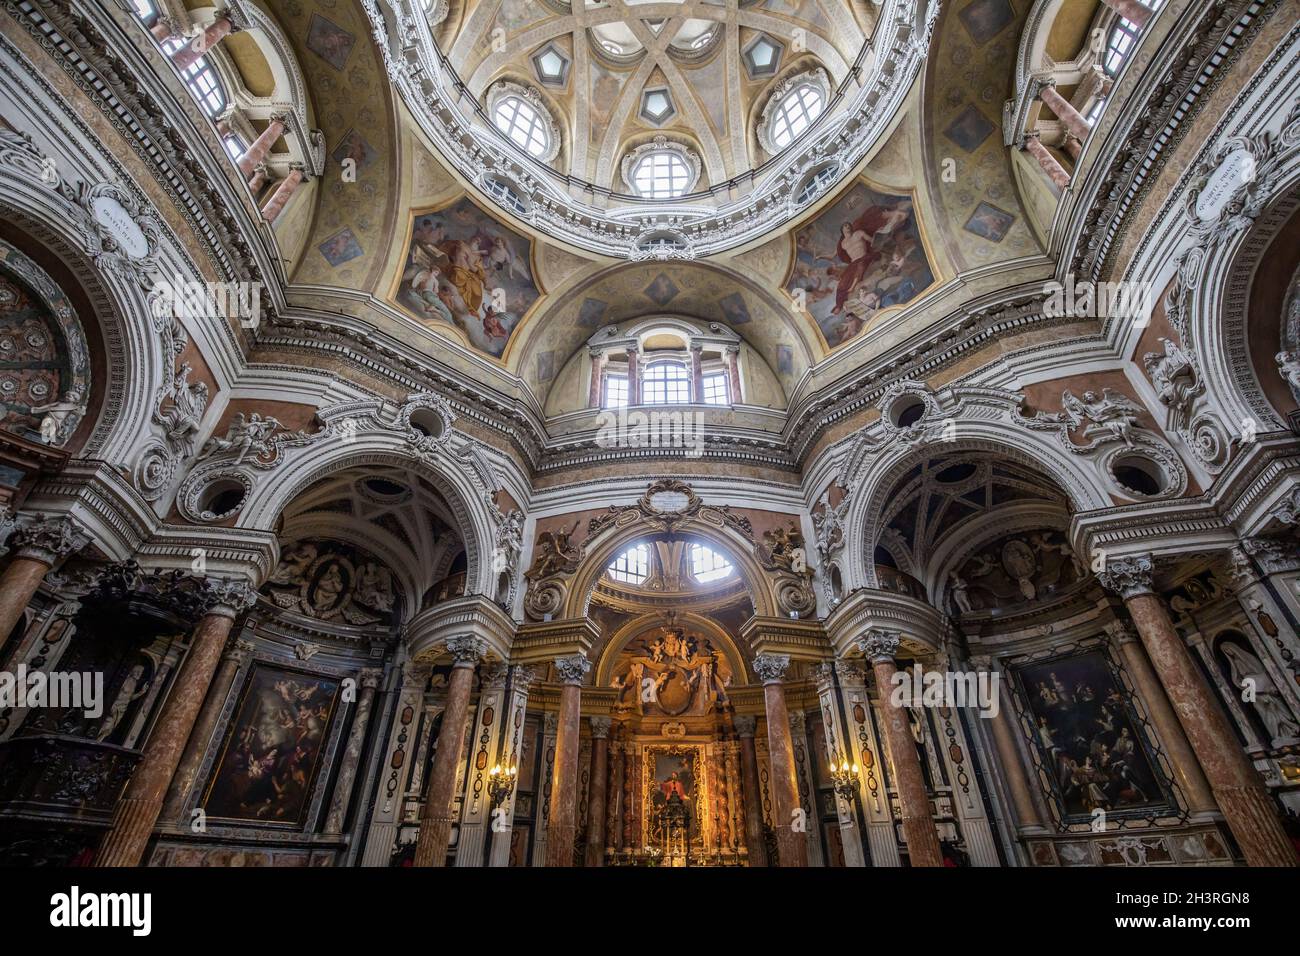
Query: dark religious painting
x,y
969,129
985,19
465,269
1093,754
674,774
989,222
273,749
341,247
860,256
329,41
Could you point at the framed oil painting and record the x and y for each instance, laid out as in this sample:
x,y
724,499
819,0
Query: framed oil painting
x,y
273,749
1093,752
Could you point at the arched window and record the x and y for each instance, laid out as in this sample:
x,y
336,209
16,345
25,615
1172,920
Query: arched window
x,y
667,383
523,124
795,112
661,174
632,566
1122,41
200,78
708,565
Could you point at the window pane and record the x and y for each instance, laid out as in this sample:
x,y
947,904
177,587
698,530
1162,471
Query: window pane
x,y
632,566
796,113
715,389
615,391
708,565
667,383
662,174
523,124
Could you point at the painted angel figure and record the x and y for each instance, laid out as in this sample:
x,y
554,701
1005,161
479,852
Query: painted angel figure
x,y
1113,415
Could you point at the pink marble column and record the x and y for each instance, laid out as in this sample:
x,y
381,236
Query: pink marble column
x,y
1131,10
163,29
596,795
754,842
1046,161
1238,789
923,849
1070,118
1013,769
1072,147
142,802
614,815
436,819
697,375
788,818
563,817
275,205
595,398
213,34
733,373
261,147
37,547
258,180
369,682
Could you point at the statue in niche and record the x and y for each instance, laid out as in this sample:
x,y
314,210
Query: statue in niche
x,y
1288,366
556,554
182,407
1018,561
960,596
293,565
134,686
1249,675
60,417
1113,416
327,593
1174,377
374,587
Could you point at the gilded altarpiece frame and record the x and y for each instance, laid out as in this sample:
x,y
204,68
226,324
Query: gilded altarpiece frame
x,y
699,757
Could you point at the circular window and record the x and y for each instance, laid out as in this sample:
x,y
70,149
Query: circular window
x,y
1139,475
428,423
523,124
221,498
907,411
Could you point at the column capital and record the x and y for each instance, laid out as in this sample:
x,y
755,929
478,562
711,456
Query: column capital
x,y
239,651
1128,577
745,724
879,645
1121,632
228,598
572,669
466,650
1271,556
771,668
493,676
522,677
46,538
600,727
370,678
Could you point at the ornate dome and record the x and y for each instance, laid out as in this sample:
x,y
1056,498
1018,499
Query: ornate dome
x,y
655,127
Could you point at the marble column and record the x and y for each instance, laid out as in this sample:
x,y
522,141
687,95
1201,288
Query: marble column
x,y
436,818
788,817
1046,161
733,372
1074,121
260,175
597,794
261,147
182,783
595,398
697,374
1237,787
138,810
369,683
1191,779
1028,817
283,192
614,812
477,805
731,767
212,34
37,546
562,821
753,795
1131,10
164,28
840,749
880,646
1072,147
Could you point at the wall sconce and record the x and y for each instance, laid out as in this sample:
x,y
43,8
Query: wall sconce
x,y
845,778
501,783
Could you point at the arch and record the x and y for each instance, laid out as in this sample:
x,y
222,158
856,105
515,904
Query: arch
x,y
468,500
882,473
610,541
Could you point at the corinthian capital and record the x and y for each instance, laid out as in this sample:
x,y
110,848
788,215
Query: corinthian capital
x,y
47,539
879,644
466,650
745,724
1128,577
600,727
571,670
771,668
228,598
